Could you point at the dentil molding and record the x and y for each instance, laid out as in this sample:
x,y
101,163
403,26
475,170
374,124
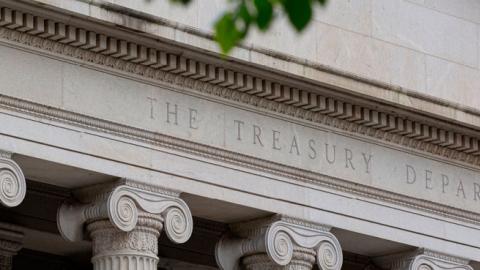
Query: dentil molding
x,y
111,52
12,181
422,259
64,40
276,242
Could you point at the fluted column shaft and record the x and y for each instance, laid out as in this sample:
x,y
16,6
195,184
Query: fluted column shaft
x,y
5,262
117,250
124,221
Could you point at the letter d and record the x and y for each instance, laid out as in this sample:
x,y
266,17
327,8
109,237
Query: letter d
x,y
411,175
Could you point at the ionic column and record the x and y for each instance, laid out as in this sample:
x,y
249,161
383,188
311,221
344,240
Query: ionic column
x,y
124,221
422,259
12,181
279,243
11,241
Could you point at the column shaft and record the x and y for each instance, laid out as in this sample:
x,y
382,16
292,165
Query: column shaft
x,y
11,241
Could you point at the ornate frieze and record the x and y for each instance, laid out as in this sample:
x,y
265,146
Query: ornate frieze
x,y
279,243
11,241
422,259
12,181
124,221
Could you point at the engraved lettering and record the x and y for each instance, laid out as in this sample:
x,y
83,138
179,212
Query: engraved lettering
x,y
193,118
461,189
174,113
275,140
367,162
307,151
330,160
411,175
476,188
445,182
294,145
152,100
428,179
313,152
348,158
256,135
239,126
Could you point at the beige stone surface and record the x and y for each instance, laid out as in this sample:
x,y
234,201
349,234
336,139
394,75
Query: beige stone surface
x,y
369,57
425,30
385,41
453,81
347,50
21,71
270,137
465,9
347,14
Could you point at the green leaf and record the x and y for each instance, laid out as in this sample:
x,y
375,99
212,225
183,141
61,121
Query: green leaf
x,y
264,13
299,12
243,20
226,33
322,2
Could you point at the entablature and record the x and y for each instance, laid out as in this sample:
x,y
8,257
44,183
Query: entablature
x,y
260,95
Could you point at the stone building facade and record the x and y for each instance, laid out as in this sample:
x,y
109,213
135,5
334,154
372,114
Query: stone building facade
x,y
128,142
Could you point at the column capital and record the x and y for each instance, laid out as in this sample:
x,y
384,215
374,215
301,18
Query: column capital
x,y
120,203
423,259
12,181
282,239
124,220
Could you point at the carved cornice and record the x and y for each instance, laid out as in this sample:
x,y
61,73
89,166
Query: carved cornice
x,y
12,181
422,259
81,44
279,238
128,56
122,203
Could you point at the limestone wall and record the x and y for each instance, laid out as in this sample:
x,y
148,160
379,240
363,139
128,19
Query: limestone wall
x,y
429,46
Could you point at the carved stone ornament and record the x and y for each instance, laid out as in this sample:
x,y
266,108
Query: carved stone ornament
x,y
87,45
12,181
124,221
279,243
422,259
64,40
11,241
